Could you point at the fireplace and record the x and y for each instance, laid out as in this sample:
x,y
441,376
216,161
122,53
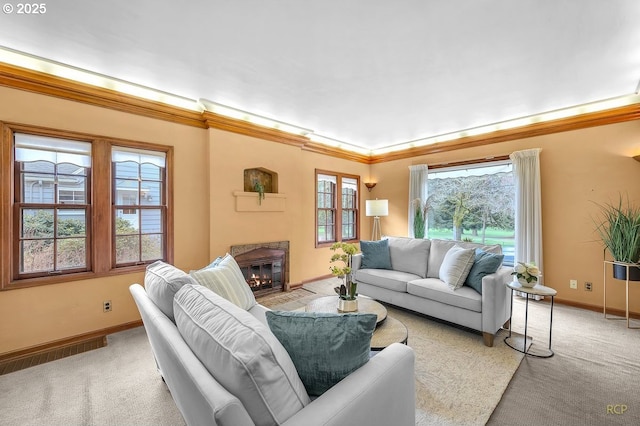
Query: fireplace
x,y
263,265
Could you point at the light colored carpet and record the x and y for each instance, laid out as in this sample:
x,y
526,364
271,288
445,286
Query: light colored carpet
x,y
594,373
459,381
114,385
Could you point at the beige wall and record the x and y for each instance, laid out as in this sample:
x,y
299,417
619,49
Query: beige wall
x,y
578,168
39,315
230,154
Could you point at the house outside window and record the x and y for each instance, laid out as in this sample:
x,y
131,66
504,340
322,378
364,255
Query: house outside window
x,y
139,205
51,209
337,201
473,203
76,206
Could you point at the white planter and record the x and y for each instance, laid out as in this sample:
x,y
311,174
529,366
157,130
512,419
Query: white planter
x,y
523,282
347,305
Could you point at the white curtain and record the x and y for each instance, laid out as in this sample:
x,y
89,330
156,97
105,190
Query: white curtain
x,y
528,226
417,189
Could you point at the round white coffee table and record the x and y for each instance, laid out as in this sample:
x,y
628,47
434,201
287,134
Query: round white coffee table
x,y
517,342
388,330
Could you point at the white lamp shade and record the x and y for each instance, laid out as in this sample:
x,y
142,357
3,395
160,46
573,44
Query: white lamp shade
x,y
377,208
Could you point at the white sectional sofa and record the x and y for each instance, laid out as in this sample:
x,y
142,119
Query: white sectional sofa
x,y
224,366
414,283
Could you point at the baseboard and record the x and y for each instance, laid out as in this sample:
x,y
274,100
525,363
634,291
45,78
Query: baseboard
x,y
295,286
597,308
89,340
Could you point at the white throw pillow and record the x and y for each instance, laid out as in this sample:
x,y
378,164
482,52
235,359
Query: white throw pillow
x,y
456,266
226,280
241,353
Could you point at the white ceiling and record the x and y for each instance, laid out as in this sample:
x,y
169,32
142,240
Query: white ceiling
x,y
369,72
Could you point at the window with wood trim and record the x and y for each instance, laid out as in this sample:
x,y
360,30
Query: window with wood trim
x,y
139,205
76,206
337,213
51,206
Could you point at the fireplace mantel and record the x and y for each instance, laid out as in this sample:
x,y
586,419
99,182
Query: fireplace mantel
x,y
248,202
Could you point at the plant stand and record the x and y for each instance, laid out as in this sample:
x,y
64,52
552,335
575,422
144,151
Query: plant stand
x,y
626,265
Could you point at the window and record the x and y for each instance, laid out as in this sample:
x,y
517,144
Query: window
x,y
75,206
52,221
473,203
139,205
337,202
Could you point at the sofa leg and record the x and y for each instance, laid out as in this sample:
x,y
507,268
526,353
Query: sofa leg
x,y
507,325
488,339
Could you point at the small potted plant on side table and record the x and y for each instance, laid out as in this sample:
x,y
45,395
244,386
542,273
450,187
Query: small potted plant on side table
x,y
347,291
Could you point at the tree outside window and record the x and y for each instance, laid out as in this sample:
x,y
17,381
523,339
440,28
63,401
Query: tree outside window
x,y
473,203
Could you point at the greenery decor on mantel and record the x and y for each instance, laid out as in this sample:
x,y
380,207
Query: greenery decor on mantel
x,y
347,291
259,188
619,229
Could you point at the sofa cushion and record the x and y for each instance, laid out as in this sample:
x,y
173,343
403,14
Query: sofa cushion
x,y
389,279
162,281
324,347
436,290
456,266
241,353
483,265
409,255
225,279
375,254
439,249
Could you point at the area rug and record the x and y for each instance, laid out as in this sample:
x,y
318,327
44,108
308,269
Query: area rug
x,y
459,381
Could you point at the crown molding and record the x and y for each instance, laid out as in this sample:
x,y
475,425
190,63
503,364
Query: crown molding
x,y
46,84
583,121
234,125
319,148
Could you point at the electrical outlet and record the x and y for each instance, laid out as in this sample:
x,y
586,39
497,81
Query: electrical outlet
x,y
106,306
573,284
588,286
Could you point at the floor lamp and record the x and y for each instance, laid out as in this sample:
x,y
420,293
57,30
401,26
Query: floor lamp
x,y
377,208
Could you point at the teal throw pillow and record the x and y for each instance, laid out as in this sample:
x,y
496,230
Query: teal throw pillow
x,y
324,347
375,254
484,264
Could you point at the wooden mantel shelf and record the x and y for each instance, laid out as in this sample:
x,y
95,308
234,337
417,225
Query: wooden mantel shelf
x,y
248,202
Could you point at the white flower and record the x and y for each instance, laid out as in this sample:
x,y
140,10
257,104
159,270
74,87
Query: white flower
x,y
527,271
533,271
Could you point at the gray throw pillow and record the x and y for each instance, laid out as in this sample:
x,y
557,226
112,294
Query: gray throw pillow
x,y
162,281
324,347
484,264
456,266
375,255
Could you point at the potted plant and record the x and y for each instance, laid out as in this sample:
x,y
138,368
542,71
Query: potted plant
x,y
420,217
347,291
619,229
526,273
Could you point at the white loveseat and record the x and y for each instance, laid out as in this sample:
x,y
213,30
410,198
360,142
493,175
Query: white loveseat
x,y
381,392
413,283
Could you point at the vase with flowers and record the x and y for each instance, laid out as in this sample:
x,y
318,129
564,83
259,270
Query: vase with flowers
x,y
347,291
526,273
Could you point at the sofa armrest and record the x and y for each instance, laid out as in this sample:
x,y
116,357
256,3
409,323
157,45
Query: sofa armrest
x,y
496,302
381,392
